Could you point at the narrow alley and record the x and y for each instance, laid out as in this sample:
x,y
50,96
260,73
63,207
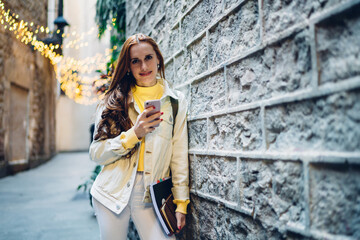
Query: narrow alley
x,y
43,203
259,118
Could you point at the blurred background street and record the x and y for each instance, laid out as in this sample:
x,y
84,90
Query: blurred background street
x,y
43,203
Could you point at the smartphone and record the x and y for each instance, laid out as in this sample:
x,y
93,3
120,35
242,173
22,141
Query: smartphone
x,y
154,103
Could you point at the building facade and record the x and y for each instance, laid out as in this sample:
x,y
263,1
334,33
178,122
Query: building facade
x,y
73,120
27,96
274,103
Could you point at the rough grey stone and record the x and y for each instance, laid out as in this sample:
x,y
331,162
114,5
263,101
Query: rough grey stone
x,y
192,61
182,67
169,72
153,14
204,13
203,215
186,4
143,8
334,198
327,123
131,6
280,15
232,225
192,172
197,134
142,26
234,34
297,236
273,191
208,94
133,22
214,221
175,13
240,131
160,31
281,68
169,44
338,46
198,57
230,3
217,176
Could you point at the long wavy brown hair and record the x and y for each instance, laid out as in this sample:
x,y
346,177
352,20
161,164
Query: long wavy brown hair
x,y
115,117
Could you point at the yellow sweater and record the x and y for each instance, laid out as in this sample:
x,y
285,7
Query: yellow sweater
x,y
142,94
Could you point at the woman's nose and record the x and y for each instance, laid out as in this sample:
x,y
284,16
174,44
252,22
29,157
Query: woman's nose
x,y
143,66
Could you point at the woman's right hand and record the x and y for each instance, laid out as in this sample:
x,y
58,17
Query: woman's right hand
x,y
143,124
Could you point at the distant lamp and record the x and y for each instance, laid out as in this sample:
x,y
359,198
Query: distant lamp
x,y
61,23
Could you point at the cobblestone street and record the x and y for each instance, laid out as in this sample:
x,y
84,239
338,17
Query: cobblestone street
x,y
43,203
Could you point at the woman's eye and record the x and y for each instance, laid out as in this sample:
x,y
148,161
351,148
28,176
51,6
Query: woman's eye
x,y
134,61
148,57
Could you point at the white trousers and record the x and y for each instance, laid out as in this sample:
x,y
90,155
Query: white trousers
x,y
115,226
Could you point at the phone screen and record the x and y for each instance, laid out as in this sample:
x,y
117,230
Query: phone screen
x,y
154,103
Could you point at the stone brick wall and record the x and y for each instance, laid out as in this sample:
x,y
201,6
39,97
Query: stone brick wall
x,y
25,69
274,113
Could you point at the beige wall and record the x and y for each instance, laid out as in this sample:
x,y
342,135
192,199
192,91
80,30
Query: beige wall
x,y
73,120
73,123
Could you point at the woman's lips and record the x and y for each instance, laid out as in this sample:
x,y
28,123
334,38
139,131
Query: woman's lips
x,y
145,74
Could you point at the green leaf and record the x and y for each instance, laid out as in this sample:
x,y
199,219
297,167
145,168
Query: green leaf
x,y
108,9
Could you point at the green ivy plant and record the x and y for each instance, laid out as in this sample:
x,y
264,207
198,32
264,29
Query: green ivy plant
x,y
88,183
112,13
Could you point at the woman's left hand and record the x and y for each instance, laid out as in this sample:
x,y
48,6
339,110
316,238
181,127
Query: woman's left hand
x,y
180,217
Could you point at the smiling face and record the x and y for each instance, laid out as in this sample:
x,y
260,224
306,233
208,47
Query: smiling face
x,y
143,64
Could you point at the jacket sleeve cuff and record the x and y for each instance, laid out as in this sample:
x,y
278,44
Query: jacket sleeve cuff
x,y
129,139
181,205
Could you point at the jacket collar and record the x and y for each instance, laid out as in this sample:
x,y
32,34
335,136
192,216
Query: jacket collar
x,y
167,90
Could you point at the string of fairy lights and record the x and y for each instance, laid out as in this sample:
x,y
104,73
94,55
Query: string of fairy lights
x,y
81,87
76,77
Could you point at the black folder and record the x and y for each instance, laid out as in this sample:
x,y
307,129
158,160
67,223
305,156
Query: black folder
x,y
160,192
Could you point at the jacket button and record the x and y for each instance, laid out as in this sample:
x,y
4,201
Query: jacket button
x,y
117,207
134,164
128,184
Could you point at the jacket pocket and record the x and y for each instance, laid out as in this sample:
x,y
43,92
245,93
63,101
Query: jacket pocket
x,y
166,126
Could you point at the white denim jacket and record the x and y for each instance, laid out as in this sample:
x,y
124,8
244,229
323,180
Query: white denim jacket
x,y
163,151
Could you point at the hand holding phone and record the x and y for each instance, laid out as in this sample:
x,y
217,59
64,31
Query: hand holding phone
x,y
145,120
153,103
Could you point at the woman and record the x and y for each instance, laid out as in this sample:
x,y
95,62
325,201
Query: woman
x,y
134,151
